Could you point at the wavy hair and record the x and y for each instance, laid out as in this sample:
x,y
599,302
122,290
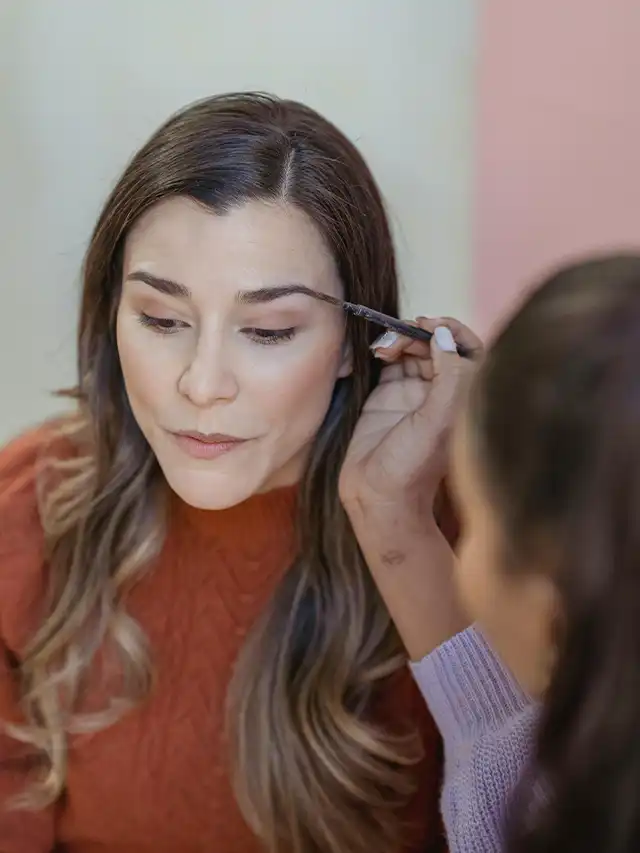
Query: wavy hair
x,y
313,771
556,411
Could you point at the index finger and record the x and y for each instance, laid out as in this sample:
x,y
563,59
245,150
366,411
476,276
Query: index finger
x,y
397,345
404,346
462,334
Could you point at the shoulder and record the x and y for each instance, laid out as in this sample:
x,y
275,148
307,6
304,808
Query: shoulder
x,y
22,546
24,459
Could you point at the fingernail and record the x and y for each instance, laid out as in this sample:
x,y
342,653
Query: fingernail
x,y
444,339
385,341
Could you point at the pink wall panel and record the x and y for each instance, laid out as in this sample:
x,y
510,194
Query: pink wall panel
x,y
558,144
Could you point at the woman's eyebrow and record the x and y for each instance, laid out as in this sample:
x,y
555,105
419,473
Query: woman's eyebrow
x,y
164,285
269,294
246,297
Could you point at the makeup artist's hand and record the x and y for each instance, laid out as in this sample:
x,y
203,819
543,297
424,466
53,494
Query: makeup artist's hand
x,y
391,477
398,453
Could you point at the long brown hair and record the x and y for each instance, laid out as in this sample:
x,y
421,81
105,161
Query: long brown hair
x,y
313,771
556,411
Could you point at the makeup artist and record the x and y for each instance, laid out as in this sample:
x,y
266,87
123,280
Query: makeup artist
x,y
546,473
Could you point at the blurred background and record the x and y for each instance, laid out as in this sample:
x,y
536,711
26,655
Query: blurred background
x,y
555,162
504,135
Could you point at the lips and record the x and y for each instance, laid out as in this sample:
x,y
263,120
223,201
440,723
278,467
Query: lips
x,y
200,445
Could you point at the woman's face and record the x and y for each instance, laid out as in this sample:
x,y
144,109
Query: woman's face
x,y
228,379
514,608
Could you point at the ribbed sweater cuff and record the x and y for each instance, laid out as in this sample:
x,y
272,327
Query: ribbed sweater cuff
x,y
469,691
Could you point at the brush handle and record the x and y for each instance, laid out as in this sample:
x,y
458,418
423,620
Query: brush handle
x,y
402,328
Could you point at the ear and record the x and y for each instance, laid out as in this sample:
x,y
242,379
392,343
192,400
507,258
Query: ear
x,y
346,365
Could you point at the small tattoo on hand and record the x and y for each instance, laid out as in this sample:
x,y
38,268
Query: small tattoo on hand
x,y
393,558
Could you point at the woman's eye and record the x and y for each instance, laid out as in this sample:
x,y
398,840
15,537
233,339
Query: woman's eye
x,y
162,325
270,336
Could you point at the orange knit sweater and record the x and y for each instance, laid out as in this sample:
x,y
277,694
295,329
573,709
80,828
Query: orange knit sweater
x,y
158,779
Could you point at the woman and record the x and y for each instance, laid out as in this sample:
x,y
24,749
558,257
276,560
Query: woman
x,y
186,515
547,474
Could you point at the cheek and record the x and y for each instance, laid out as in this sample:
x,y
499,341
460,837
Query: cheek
x,y
475,575
485,594
482,595
141,363
506,610
293,388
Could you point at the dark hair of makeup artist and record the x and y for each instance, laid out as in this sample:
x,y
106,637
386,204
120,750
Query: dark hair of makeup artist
x,y
556,413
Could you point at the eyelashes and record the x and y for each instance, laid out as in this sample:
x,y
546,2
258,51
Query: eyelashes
x,y
160,324
265,337
269,336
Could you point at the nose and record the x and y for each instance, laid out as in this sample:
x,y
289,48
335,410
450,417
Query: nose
x,y
209,377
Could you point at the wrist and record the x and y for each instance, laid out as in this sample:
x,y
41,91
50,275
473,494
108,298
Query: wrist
x,y
397,518
411,562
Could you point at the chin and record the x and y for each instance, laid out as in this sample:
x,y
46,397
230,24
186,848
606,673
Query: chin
x,y
210,492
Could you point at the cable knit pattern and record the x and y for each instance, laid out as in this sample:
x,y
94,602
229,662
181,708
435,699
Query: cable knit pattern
x,y
158,780
488,725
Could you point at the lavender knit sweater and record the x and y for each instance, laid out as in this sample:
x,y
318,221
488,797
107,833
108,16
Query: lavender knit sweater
x,y
487,724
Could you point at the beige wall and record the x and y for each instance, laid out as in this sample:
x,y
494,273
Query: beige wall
x,y
83,82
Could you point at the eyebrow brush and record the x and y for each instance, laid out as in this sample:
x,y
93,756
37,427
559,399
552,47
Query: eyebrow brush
x,y
384,320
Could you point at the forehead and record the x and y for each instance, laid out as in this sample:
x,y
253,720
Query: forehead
x,y
250,246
